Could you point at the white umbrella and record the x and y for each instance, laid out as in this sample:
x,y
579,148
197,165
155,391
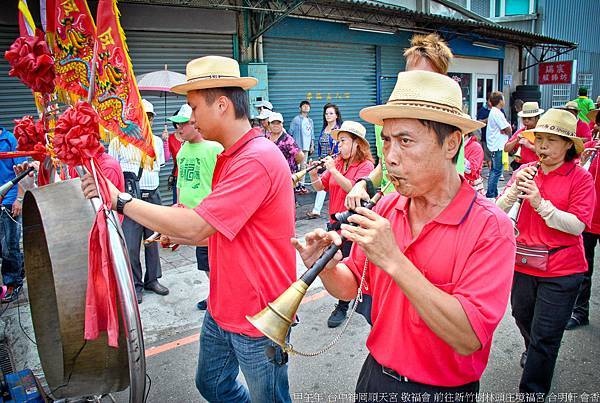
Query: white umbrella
x,y
159,83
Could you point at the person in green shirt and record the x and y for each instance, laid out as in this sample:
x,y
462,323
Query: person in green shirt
x,y
585,104
196,161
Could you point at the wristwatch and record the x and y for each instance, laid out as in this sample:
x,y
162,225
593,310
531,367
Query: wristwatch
x,y
122,200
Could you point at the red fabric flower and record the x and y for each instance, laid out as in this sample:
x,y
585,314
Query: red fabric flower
x,y
30,136
32,63
77,135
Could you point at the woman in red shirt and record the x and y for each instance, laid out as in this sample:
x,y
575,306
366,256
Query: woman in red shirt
x,y
473,162
354,161
558,200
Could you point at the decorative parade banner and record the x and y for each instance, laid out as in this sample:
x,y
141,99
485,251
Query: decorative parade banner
x,y
70,32
118,99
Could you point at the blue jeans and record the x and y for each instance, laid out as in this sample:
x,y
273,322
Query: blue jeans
x,y
12,257
495,172
221,356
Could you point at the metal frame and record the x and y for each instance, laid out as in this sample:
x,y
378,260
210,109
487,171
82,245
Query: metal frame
x,y
548,52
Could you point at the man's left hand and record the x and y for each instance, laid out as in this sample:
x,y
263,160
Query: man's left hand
x,y
17,208
374,235
88,185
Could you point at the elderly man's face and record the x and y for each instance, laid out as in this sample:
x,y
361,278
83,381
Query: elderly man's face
x,y
415,161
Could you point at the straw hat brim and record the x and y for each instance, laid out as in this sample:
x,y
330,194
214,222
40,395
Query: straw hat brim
x,y
530,115
377,114
204,83
335,134
591,115
577,141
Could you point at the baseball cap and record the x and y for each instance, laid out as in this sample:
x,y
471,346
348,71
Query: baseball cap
x,y
183,115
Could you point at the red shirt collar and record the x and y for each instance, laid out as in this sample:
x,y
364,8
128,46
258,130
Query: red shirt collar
x,y
455,212
250,135
562,170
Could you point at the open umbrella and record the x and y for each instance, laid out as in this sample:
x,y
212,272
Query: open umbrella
x,y
159,83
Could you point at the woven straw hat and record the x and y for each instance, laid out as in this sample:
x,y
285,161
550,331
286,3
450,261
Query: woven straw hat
x,y
571,106
213,72
560,122
351,127
530,109
424,95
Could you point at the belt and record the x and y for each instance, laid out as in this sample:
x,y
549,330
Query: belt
x,y
391,373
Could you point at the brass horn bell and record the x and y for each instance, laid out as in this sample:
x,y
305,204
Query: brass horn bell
x,y
276,319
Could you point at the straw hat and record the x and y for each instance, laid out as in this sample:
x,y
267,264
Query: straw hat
x,y
530,109
424,95
351,127
213,72
571,106
274,116
559,122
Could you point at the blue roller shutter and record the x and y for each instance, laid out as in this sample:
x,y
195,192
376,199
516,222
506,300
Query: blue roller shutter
x,y
392,62
322,72
16,99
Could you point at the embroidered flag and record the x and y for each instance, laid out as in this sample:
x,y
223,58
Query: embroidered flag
x,y
118,99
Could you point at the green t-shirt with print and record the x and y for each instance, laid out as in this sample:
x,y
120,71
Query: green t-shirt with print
x,y
196,163
460,163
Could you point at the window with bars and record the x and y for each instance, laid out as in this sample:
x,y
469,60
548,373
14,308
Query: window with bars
x,y
585,80
560,95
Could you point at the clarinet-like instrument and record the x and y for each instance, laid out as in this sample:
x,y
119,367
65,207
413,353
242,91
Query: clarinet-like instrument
x,y
515,210
297,177
275,320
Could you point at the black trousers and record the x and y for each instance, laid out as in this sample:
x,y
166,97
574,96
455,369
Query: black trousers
x,y
134,233
375,382
581,311
542,307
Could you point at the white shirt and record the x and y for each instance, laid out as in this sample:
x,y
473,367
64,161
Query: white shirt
x,y
129,158
496,123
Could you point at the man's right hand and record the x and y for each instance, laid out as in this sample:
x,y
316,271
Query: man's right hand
x,y
25,166
356,194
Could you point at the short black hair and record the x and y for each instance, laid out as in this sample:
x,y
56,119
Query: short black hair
x,y
305,102
237,96
442,131
583,91
571,154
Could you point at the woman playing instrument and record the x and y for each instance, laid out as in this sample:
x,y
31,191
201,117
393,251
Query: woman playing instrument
x,y
473,162
353,162
558,200
332,119
284,141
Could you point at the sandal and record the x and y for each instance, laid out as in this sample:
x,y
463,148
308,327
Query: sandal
x,y
311,216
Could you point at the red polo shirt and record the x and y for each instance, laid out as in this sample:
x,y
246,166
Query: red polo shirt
x,y
583,130
337,195
595,171
468,252
252,208
527,155
474,154
570,188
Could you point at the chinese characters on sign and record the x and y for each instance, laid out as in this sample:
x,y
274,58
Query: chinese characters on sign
x,y
328,97
556,72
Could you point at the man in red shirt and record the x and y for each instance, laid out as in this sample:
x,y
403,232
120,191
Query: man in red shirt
x,y
248,219
530,114
438,256
583,129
